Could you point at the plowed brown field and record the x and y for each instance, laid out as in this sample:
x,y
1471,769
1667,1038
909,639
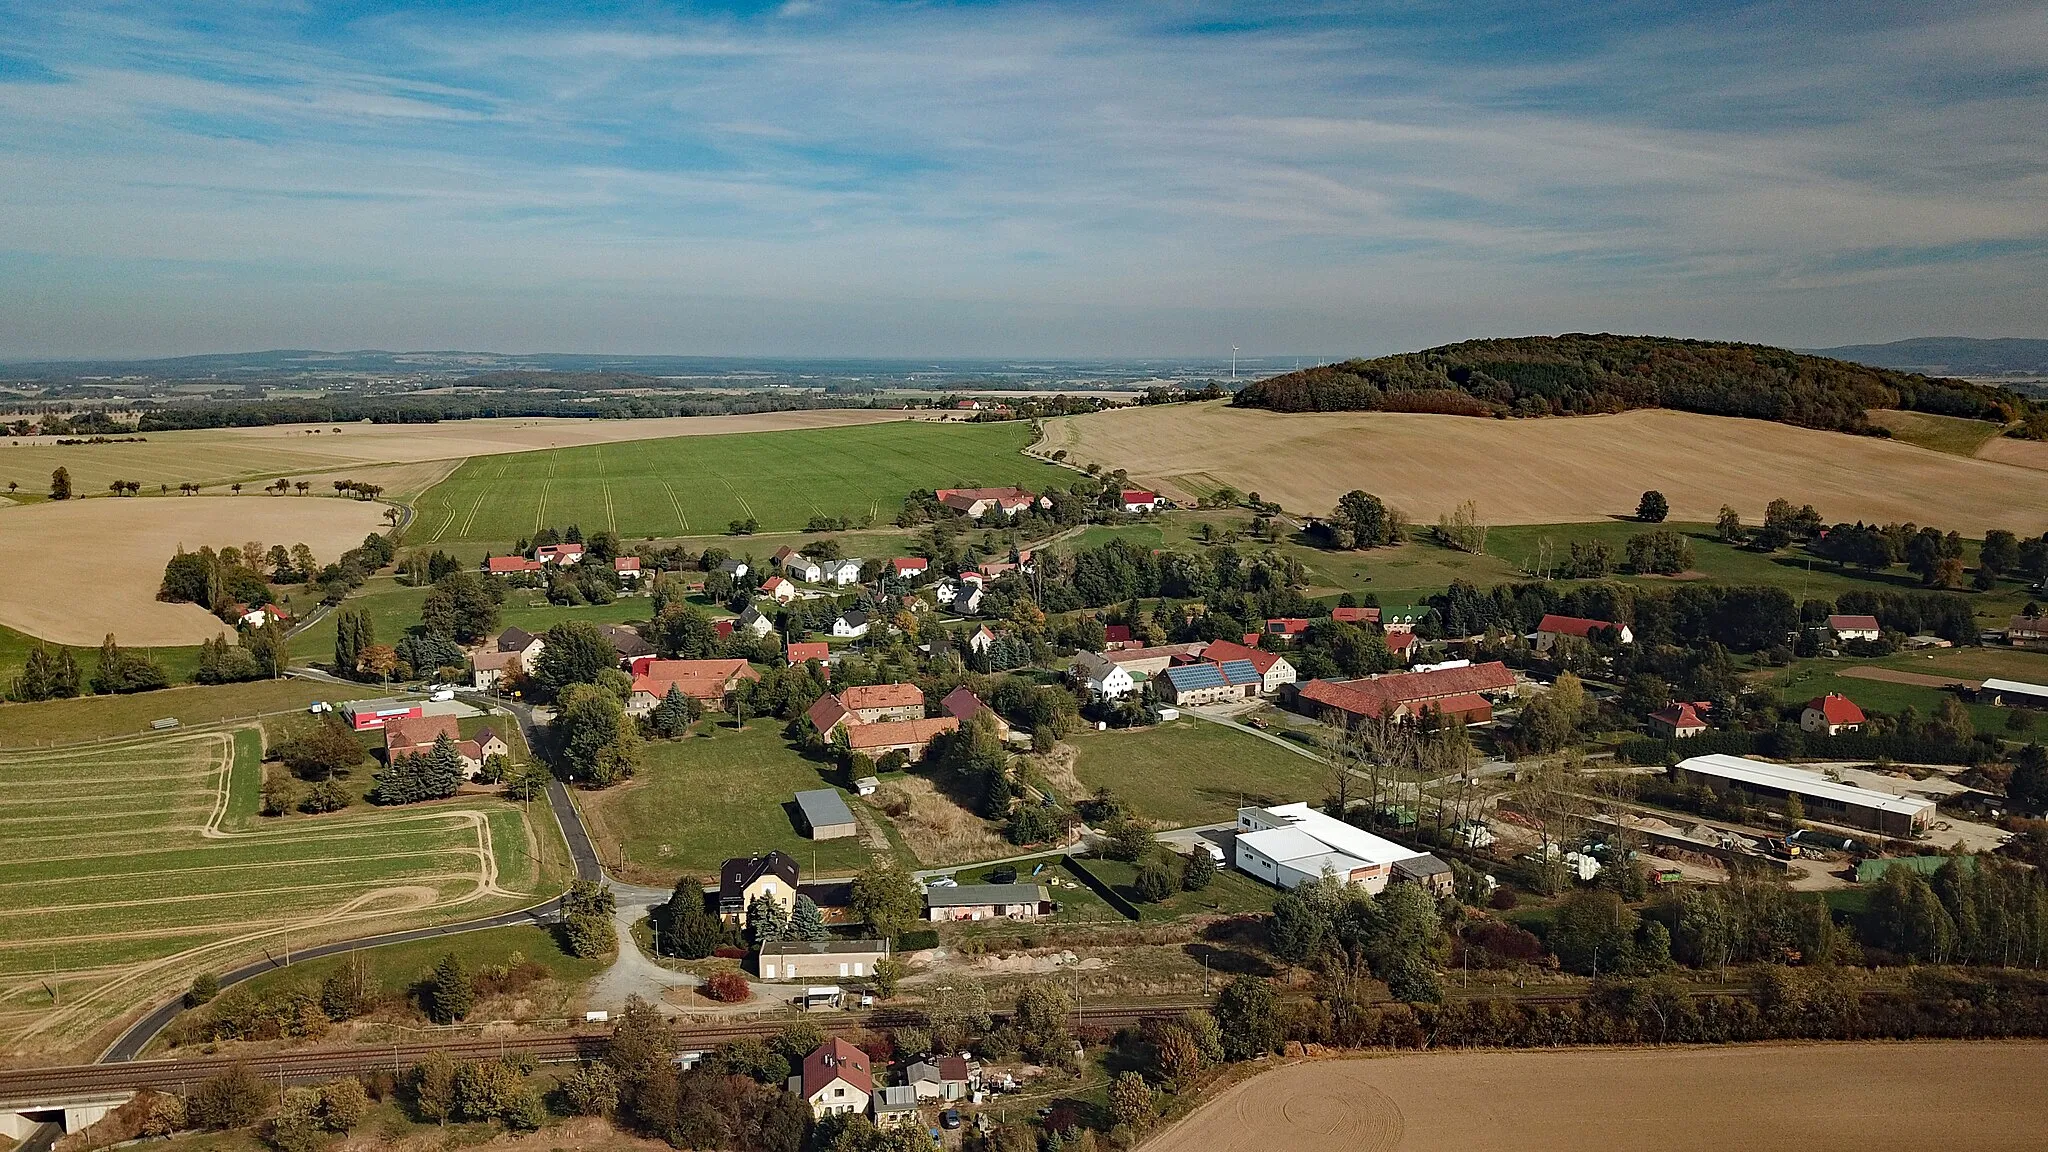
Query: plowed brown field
x,y
1553,470
1984,1097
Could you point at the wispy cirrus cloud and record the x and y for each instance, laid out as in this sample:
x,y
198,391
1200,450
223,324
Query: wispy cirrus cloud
x,y
1014,178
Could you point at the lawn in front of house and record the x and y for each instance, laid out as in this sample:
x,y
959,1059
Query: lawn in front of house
x,y
711,795
1805,679
1194,772
1228,893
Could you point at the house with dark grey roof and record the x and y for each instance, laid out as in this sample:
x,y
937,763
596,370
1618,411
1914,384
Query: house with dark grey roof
x,y
851,625
742,878
824,814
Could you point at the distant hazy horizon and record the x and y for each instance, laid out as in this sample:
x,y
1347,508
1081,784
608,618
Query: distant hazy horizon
x,y
1014,179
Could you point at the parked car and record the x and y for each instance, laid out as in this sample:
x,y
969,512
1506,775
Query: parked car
x,y
949,1119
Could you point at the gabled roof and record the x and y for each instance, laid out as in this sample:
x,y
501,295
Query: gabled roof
x,y
1837,708
2027,624
626,642
1572,625
893,733
836,1059
1400,641
800,652
515,640
1853,623
408,732
1380,694
1680,715
625,563
1808,783
1117,633
826,711
1139,496
503,564
903,564
882,696
855,618
961,704
1287,625
1355,615
1258,658
771,584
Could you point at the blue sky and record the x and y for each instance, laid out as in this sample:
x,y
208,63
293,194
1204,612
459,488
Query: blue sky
x,y
817,177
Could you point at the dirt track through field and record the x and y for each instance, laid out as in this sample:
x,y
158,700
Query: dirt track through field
x,y
1917,679
1556,470
81,569
1984,1097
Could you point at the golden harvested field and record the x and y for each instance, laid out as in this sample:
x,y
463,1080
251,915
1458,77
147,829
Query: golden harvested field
x,y
2020,453
84,568
219,456
1816,1098
1551,471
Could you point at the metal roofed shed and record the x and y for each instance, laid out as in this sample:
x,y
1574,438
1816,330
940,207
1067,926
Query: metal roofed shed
x,y
825,814
987,902
1824,799
2010,692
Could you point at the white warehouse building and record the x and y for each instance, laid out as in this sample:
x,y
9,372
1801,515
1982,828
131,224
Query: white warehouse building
x,y
1289,845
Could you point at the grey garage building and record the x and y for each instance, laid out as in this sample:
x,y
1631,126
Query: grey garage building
x,y
825,814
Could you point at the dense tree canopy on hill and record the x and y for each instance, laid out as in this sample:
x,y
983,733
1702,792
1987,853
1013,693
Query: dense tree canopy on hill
x,y
1578,374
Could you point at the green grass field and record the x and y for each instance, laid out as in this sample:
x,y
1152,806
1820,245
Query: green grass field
x,y
1952,434
102,717
1194,772
1229,893
696,485
698,800
127,869
178,663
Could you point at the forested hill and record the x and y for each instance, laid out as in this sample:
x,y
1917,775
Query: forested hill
x,y
1578,374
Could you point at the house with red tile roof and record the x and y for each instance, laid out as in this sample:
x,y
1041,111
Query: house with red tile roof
x,y
627,567
1117,636
909,567
417,735
1854,627
1553,626
871,703
510,565
1355,615
1274,671
1283,629
909,737
800,652
1832,714
834,1080
1680,720
1138,500
1462,693
778,589
974,503
559,554
710,682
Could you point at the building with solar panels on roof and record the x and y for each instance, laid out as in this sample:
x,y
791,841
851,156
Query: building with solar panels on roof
x,y
1210,682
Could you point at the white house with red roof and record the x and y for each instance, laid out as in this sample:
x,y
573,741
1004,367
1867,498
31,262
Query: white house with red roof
x,y
1848,628
259,616
835,1079
1681,720
1832,714
909,567
1139,500
1285,628
561,555
627,567
779,589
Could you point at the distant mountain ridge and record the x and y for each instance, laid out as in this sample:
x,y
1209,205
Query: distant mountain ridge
x,y
1582,373
1950,356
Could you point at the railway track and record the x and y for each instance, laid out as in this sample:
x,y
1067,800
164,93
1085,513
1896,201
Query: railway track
x,y
312,1065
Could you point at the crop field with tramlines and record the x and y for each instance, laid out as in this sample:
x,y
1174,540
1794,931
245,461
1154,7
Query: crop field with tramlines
x,y
698,485
127,869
